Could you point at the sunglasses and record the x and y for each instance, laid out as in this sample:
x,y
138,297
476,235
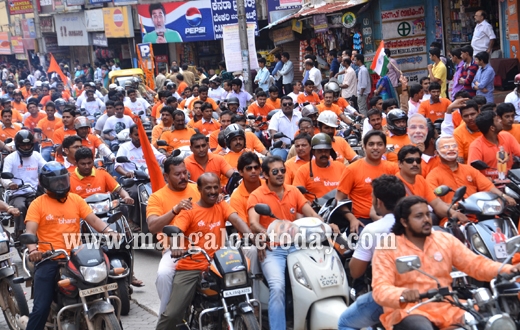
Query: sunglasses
x,y
412,160
287,104
276,170
251,167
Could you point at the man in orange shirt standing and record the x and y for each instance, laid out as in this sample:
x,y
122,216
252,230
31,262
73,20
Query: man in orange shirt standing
x,y
273,99
322,174
207,124
188,270
396,123
436,106
202,161
506,111
468,131
327,122
34,118
48,125
260,107
7,129
308,95
164,125
355,183
179,136
302,148
328,104
17,102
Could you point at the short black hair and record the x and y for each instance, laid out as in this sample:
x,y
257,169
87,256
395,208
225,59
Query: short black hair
x,y
226,113
168,109
261,93
83,153
4,111
238,118
204,88
262,60
235,81
504,108
389,102
414,89
361,58
247,158
305,120
374,112
434,86
118,103
373,100
309,83
303,136
483,56
70,109
269,160
388,189
175,161
196,137
109,103
70,140
485,120
463,94
434,51
373,133
178,113
488,107
423,79
286,55
273,89
480,100
456,52
470,104
402,210
155,6
468,49
406,150
133,128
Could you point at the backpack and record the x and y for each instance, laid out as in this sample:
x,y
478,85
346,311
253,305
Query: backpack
x,y
450,68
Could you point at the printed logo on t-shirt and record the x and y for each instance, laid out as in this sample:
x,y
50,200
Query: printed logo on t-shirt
x,y
316,179
469,178
49,217
201,223
119,126
292,210
368,180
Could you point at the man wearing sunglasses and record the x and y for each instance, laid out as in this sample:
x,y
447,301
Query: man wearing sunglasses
x,y
286,202
415,184
285,121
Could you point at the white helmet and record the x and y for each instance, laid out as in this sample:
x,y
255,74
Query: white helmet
x,y
328,118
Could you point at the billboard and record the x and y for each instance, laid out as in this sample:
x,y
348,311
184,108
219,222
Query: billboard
x,y
198,20
118,22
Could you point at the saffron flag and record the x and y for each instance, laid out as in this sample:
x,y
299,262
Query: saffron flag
x,y
380,62
54,67
154,170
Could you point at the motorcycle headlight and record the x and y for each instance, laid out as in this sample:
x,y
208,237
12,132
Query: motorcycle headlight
x,y
236,279
144,196
300,276
493,207
4,247
100,207
500,322
94,274
479,244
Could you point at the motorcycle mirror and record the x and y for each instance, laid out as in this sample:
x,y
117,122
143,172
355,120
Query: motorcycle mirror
x,y
141,113
513,245
264,209
302,190
28,239
459,194
277,144
114,217
479,165
359,118
162,143
176,153
278,135
127,183
8,140
172,230
7,176
37,130
251,117
347,131
442,190
407,264
259,118
122,159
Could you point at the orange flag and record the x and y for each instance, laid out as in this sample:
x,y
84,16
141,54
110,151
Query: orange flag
x,y
54,67
154,170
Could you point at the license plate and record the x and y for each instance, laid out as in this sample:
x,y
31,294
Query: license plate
x,y
237,292
7,255
331,280
457,274
501,250
99,289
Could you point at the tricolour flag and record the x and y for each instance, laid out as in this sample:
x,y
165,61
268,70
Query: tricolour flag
x,y
380,62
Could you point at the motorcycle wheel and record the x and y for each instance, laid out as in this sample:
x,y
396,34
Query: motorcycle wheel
x,y
246,321
16,302
124,295
106,322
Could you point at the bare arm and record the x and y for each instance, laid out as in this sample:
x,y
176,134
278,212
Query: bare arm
x,y
254,221
357,267
157,223
238,223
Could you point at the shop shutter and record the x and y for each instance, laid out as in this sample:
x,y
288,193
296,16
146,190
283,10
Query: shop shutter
x,y
293,48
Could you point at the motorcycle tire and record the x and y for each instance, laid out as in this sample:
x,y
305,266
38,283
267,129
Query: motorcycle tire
x,y
106,322
246,321
124,295
16,301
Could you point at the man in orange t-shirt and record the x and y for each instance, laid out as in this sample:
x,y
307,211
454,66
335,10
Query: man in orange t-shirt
x,y
17,102
396,123
506,111
179,136
436,106
207,124
249,169
203,96
214,216
16,116
202,161
355,183
328,99
273,99
156,109
34,118
91,141
164,125
468,131
308,95
67,119
260,107
302,147
48,125
7,129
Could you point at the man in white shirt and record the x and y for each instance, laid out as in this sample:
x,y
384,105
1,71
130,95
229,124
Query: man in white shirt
x,y
483,35
514,98
363,84
109,112
297,88
116,123
215,92
349,83
287,73
92,105
425,83
136,104
416,97
314,74
285,121
83,96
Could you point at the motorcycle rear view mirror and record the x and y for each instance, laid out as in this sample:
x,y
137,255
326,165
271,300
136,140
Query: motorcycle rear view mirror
x,y
172,230
127,183
407,264
513,245
176,153
115,217
278,135
28,239
37,130
8,140
259,118
162,143
479,165
359,118
277,144
251,117
441,191
302,190
459,194
7,176
122,159
264,209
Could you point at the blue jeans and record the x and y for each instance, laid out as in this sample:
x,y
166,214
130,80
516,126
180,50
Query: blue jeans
x,y
364,312
273,268
44,284
46,153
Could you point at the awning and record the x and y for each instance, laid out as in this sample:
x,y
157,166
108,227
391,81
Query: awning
x,y
324,9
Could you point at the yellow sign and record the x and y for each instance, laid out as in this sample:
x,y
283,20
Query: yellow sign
x,y
118,22
297,26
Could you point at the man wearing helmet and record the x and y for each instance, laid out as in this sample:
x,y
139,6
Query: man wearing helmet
x,y
9,89
396,123
514,98
232,104
322,174
23,164
179,136
91,141
235,142
43,220
327,123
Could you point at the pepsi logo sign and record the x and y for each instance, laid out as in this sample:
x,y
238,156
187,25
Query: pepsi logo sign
x,y
194,19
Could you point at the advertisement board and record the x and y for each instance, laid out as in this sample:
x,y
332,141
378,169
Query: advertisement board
x,y
47,24
118,22
71,29
20,7
5,44
17,45
94,20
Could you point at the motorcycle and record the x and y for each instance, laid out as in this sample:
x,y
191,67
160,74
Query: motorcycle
x,y
120,254
82,300
317,287
498,308
353,135
182,152
221,299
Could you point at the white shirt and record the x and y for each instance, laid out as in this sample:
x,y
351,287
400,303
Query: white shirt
x,y
135,155
371,235
426,97
93,106
350,79
216,93
366,125
27,170
280,123
413,107
514,99
118,124
294,96
481,37
100,122
139,105
82,97
363,81
315,76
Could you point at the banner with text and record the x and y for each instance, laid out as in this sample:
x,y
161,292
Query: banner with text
x,y
5,44
71,29
17,45
20,7
232,51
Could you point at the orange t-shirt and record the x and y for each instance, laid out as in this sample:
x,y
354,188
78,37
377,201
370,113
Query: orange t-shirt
x,y
419,188
322,181
213,139
45,99
25,92
395,143
177,138
334,108
232,158
216,164
156,109
343,150
515,131
434,111
356,182
342,103
163,200
92,142
456,118
48,128
291,166
482,149
32,122
426,167
65,95
208,223
287,208
313,98
238,201
256,110
55,219
316,131
206,128
157,130
464,175
8,132
464,138
17,117
208,100
98,182
275,104
182,87
58,136
20,107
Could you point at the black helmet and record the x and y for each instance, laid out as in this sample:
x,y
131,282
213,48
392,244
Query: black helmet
x,y
233,100
52,177
233,131
10,86
24,137
392,117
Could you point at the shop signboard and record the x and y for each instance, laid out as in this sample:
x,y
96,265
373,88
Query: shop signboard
x,y
415,76
125,2
280,8
20,7
47,6
28,43
412,62
404,29
17,45
96,2
118,22
232,50
5,44
75,2
185,21
47,24
320,23
403,13
71,29
28,30
99,39
283,35
94,20
406,46
144,51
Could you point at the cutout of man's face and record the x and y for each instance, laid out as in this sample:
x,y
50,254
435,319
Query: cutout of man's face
x,y
417,130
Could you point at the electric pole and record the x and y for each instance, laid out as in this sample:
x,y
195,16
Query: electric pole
x,y
37,28
244,44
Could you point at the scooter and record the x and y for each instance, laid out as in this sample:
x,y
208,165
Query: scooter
x,y
182,152
317,288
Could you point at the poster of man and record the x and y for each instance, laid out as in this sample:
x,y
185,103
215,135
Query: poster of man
x,y
161,34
